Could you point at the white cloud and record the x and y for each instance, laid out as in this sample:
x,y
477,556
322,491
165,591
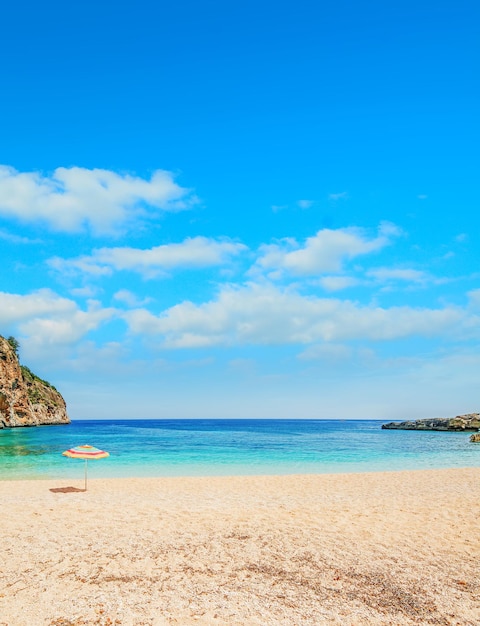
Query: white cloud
x,y
197,252
305,204
16,308
336,283
325,252
63,330
129,298
48,319
75,197
474,298
338,196
85,292
17,239
265,315
384,274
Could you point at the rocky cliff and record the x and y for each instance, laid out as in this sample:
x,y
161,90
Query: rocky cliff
x,y
25,399
460,423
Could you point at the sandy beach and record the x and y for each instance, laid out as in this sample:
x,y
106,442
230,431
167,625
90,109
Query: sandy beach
x,y
394,548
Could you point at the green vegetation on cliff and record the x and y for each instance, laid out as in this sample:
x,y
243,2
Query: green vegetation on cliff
x,y
38,390
25,398
29,376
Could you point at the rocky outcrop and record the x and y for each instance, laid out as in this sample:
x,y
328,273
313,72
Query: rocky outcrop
x,y
26,399
475,438
460,423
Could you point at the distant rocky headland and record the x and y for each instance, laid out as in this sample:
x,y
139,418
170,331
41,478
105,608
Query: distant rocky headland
x,y
26,399
460,423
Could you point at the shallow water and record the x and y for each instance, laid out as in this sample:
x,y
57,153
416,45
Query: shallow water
x,y
229,447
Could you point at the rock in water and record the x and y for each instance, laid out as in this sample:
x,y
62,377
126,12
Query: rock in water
x,y
25,399
460,423
475,438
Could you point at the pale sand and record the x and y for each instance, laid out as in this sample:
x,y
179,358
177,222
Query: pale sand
x,y
360,549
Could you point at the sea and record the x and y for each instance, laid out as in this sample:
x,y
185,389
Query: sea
x,y
230,447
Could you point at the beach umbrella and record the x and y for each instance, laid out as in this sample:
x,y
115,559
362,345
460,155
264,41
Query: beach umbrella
x,y
87,453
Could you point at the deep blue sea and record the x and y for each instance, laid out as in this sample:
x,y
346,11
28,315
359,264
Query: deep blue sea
x,y
228,447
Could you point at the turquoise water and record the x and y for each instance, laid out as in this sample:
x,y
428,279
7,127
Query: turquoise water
x,y
229,447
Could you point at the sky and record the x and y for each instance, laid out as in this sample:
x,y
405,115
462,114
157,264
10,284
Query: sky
x,y
243,210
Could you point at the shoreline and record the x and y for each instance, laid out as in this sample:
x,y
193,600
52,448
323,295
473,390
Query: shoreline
x,y
373,548
77,476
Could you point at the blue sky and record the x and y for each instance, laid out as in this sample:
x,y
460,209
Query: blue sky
x,y
243,209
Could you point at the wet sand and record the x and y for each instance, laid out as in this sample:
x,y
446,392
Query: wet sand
x,y
396,548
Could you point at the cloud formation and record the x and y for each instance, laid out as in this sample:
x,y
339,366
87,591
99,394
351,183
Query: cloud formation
x,y
384,274
305,204
130,299
195,252
265,315
48,319
74,198
343,195
337,283
327,251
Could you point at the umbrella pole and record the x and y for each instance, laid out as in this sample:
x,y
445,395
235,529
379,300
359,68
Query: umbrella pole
x,y
86,461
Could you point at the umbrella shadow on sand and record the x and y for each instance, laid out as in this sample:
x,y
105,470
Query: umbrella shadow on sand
x,y
66,490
